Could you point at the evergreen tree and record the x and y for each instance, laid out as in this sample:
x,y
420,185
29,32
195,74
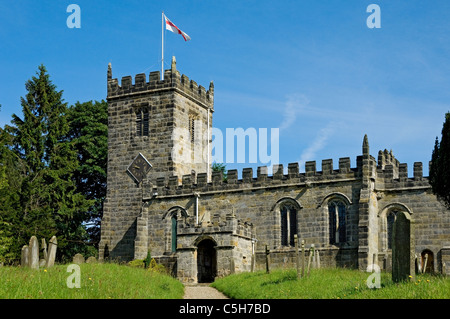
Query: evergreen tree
x,y
89,133
49,201
10,177
440,164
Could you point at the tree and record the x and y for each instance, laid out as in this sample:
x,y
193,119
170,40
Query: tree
x,y
439,176
10,179
49,201
89,132
218,167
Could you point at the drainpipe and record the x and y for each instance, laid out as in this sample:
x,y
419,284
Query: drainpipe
x,y
197,195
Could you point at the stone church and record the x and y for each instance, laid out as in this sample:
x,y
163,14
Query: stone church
x,y
202,226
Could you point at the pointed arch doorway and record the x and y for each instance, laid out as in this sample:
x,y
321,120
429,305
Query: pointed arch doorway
x,y
206,261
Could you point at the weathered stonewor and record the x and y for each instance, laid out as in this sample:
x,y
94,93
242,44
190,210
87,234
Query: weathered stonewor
x,y
445,255
230,239
43,261
172,79
387,189
24,257
78,259
175,104
52,246
91,260
345,211
33,251
44,248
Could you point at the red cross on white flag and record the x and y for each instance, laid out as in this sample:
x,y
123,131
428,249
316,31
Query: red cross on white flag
x,y
172,27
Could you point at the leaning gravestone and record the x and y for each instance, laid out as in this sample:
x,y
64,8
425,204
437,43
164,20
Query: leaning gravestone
x,y
78,259
403,248
52,245
91,260
33,251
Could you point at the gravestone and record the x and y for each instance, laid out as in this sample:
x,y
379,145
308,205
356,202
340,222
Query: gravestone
x,y
24,257
44,248
297,256
267,260
91,260
33,253
303,258
445,258
78,259
403,248
52,245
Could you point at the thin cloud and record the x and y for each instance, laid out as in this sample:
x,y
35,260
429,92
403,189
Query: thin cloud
x,y
319,143
293,106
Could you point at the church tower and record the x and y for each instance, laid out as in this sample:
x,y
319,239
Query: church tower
x,y
156,128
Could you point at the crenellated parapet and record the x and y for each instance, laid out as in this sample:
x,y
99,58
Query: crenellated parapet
x,y
387,158
220,223
386,178
173,80
396,176
170,186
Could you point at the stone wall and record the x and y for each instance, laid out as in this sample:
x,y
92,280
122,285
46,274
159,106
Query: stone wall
x,y
169,103
230,237
140,216
255,199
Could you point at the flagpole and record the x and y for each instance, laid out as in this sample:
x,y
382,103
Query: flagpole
x,y
162,46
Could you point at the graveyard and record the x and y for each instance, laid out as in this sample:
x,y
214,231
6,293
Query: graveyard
x,y
131,197
328,283
97,281
114,281
40,277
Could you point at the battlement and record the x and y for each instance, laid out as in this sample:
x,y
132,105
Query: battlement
x,y
396,177
387,158
173,80
170,186
220,223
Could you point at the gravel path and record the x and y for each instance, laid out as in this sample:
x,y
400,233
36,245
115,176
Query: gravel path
x,y
202,292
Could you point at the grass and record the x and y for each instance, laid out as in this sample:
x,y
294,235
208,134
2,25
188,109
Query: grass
x,y
98,281
329,284
113,281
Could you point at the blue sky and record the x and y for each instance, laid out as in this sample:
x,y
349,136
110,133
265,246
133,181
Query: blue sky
x,y
311,68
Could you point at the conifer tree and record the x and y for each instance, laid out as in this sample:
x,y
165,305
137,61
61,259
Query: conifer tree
x,y
10,176
440,164
50,203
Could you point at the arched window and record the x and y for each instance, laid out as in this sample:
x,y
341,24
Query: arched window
x,y
174,214
286,212
142,118
337,221
387,217
390,219
288,215
174,233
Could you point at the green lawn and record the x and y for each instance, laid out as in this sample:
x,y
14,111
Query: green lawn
x,y
329,284
97,281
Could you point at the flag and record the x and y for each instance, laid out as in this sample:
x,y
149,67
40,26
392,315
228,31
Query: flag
x,y
172,27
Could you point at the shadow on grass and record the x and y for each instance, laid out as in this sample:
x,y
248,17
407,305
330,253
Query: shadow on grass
x,y
284,278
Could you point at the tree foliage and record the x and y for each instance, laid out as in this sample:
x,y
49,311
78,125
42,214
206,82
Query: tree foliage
x,y
440,164
89,133
39,160
220,167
